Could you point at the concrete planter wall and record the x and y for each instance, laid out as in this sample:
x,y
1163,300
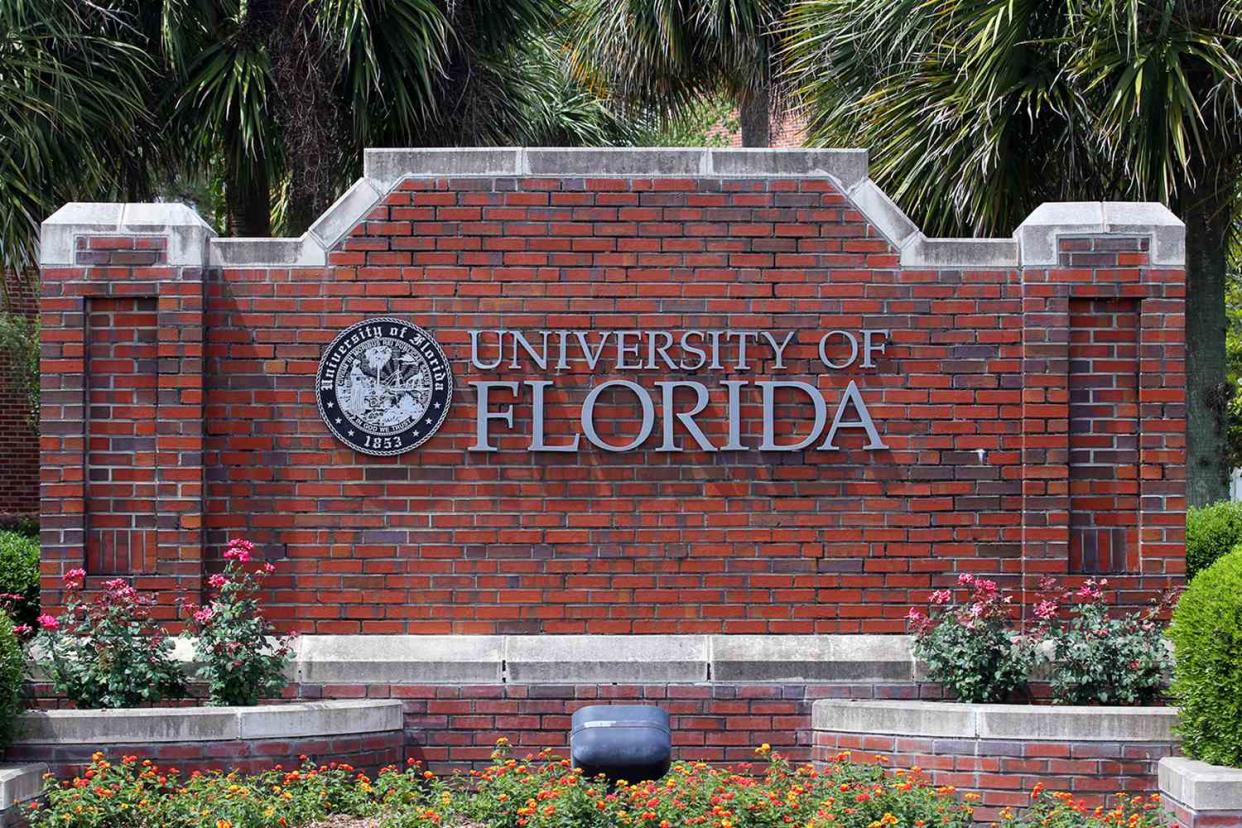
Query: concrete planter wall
x,y
1001,751
1199,795
365,733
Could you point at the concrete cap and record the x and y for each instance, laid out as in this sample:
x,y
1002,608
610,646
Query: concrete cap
x,y
347,211
385,167
811,658
1200,786
1037,236
20,783
241,252
985,254
569,659
208,724
1052,723
185,229
399,659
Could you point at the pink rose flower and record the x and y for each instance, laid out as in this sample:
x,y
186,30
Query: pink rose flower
x,y
48,622
204,615
940,596
22,629
216,581
965,579
1045,610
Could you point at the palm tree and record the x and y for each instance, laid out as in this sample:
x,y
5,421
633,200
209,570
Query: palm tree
x,y
285,94
71,102
978,110
666,54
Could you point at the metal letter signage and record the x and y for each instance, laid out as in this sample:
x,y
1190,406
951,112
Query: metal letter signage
x,y
384,386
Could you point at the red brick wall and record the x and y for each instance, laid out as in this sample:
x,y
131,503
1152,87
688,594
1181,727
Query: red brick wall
x,y
1181,816
1003,772
19,441
365,751
975,398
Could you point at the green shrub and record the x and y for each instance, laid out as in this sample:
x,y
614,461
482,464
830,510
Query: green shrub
x,y
1211,531
1207,683
12,668
19,575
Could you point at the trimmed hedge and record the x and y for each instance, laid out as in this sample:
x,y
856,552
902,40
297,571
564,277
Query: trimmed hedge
x,y
1211,532
19,573
1207,686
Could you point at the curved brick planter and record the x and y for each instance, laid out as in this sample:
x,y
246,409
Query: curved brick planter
x,y
1199,795
1001,751
365,733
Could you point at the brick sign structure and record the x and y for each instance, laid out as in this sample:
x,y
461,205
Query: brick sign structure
x,y
694,393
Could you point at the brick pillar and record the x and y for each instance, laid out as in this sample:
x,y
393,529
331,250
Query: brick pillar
x,y
122,404
1103,394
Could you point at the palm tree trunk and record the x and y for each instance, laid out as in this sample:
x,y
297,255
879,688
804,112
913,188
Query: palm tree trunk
x,y
755,116
248,201
1207,390
308,112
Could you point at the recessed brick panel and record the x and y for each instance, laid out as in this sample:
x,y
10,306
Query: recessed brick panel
x,y
122,415
1104,436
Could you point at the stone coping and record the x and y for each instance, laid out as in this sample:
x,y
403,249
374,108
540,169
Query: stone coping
x,y
20,783
560,659
957,720
589,659
1200,786
209,724
1033,244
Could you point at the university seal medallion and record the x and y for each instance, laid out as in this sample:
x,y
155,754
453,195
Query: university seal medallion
x,y
384,386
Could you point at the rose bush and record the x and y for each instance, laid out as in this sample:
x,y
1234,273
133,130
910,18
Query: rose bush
x,y
971,647
107,651
241,658
532,792
1098,658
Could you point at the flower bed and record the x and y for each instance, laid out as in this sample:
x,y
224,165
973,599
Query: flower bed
x,y
542,792
531,792
365,733
1002,752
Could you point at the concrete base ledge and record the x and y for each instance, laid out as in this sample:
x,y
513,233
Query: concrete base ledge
x,y
208,724
19,784
637,659
1200,786
955,720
